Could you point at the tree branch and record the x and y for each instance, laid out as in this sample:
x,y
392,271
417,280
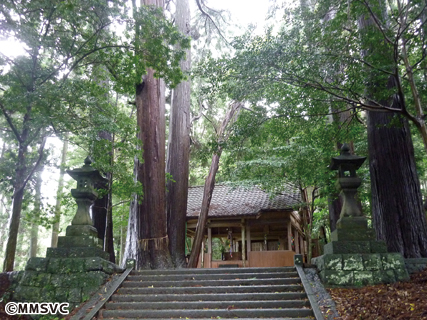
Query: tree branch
x,y
11,125
41,153
204,13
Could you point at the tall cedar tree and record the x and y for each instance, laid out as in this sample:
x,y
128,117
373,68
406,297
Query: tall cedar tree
x,y
397,207
179,149
147,239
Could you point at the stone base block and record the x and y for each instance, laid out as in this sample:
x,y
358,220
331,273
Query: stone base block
x,y
81,230
341,247
83,252
79,241
360,269
351,223
358,234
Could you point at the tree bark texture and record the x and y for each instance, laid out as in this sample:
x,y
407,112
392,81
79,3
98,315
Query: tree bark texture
x,y
204,211
55,226
179,150
102,210
397,206
149,213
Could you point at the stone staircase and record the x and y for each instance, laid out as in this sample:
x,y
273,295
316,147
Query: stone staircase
x,y
210,293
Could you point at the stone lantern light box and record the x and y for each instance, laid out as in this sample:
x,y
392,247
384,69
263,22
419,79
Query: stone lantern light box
x,y
85,193
346,162
81,232
348,181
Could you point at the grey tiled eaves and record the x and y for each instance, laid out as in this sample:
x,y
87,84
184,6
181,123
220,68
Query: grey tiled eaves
x,y
228,201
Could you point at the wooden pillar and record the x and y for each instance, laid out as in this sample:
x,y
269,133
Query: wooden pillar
x,y
282,243
297,249
248,242
301,244
210,247
243,243
289,235
202,264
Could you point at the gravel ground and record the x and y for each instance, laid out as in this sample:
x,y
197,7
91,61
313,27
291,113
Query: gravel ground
x,y
326,304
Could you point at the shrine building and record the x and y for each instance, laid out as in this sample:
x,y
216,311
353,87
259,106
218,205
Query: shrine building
x,y
256,230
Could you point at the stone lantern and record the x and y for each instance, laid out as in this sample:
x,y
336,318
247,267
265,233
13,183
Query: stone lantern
x,y
348,181
81,232
85,193
354,257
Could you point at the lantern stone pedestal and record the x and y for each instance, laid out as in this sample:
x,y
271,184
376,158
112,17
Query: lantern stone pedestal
x,y
76,269
354,257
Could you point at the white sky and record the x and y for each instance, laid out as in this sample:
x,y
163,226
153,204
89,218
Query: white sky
x,y
244,12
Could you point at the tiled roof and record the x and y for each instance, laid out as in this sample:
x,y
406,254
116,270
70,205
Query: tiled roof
x,y
228,201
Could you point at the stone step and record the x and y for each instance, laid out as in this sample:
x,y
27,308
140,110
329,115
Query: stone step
x,y
208,297
211,289
188,305
219,276
195,283
193,271
196,313
311,318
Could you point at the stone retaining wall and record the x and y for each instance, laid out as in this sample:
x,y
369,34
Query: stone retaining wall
x,y
360,269
71,280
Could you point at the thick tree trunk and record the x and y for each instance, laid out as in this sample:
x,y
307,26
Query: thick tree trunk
x,y
148,214
179,150
102,211
55,226
147,240
99,215
397,206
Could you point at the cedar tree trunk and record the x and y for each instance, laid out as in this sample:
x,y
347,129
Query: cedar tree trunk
x,y
147,239
397,206
179,150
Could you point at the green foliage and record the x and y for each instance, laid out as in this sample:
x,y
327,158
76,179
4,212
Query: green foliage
x,y
314,64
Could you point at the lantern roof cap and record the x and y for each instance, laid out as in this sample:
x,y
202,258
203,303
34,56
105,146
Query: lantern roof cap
x,y
345,158
87,171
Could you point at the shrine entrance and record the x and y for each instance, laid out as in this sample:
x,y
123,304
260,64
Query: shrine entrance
x,y
268,239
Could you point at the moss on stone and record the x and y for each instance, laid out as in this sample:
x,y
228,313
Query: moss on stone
x,y
363,278
339,277
372,262
333,262
352,262
36,264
